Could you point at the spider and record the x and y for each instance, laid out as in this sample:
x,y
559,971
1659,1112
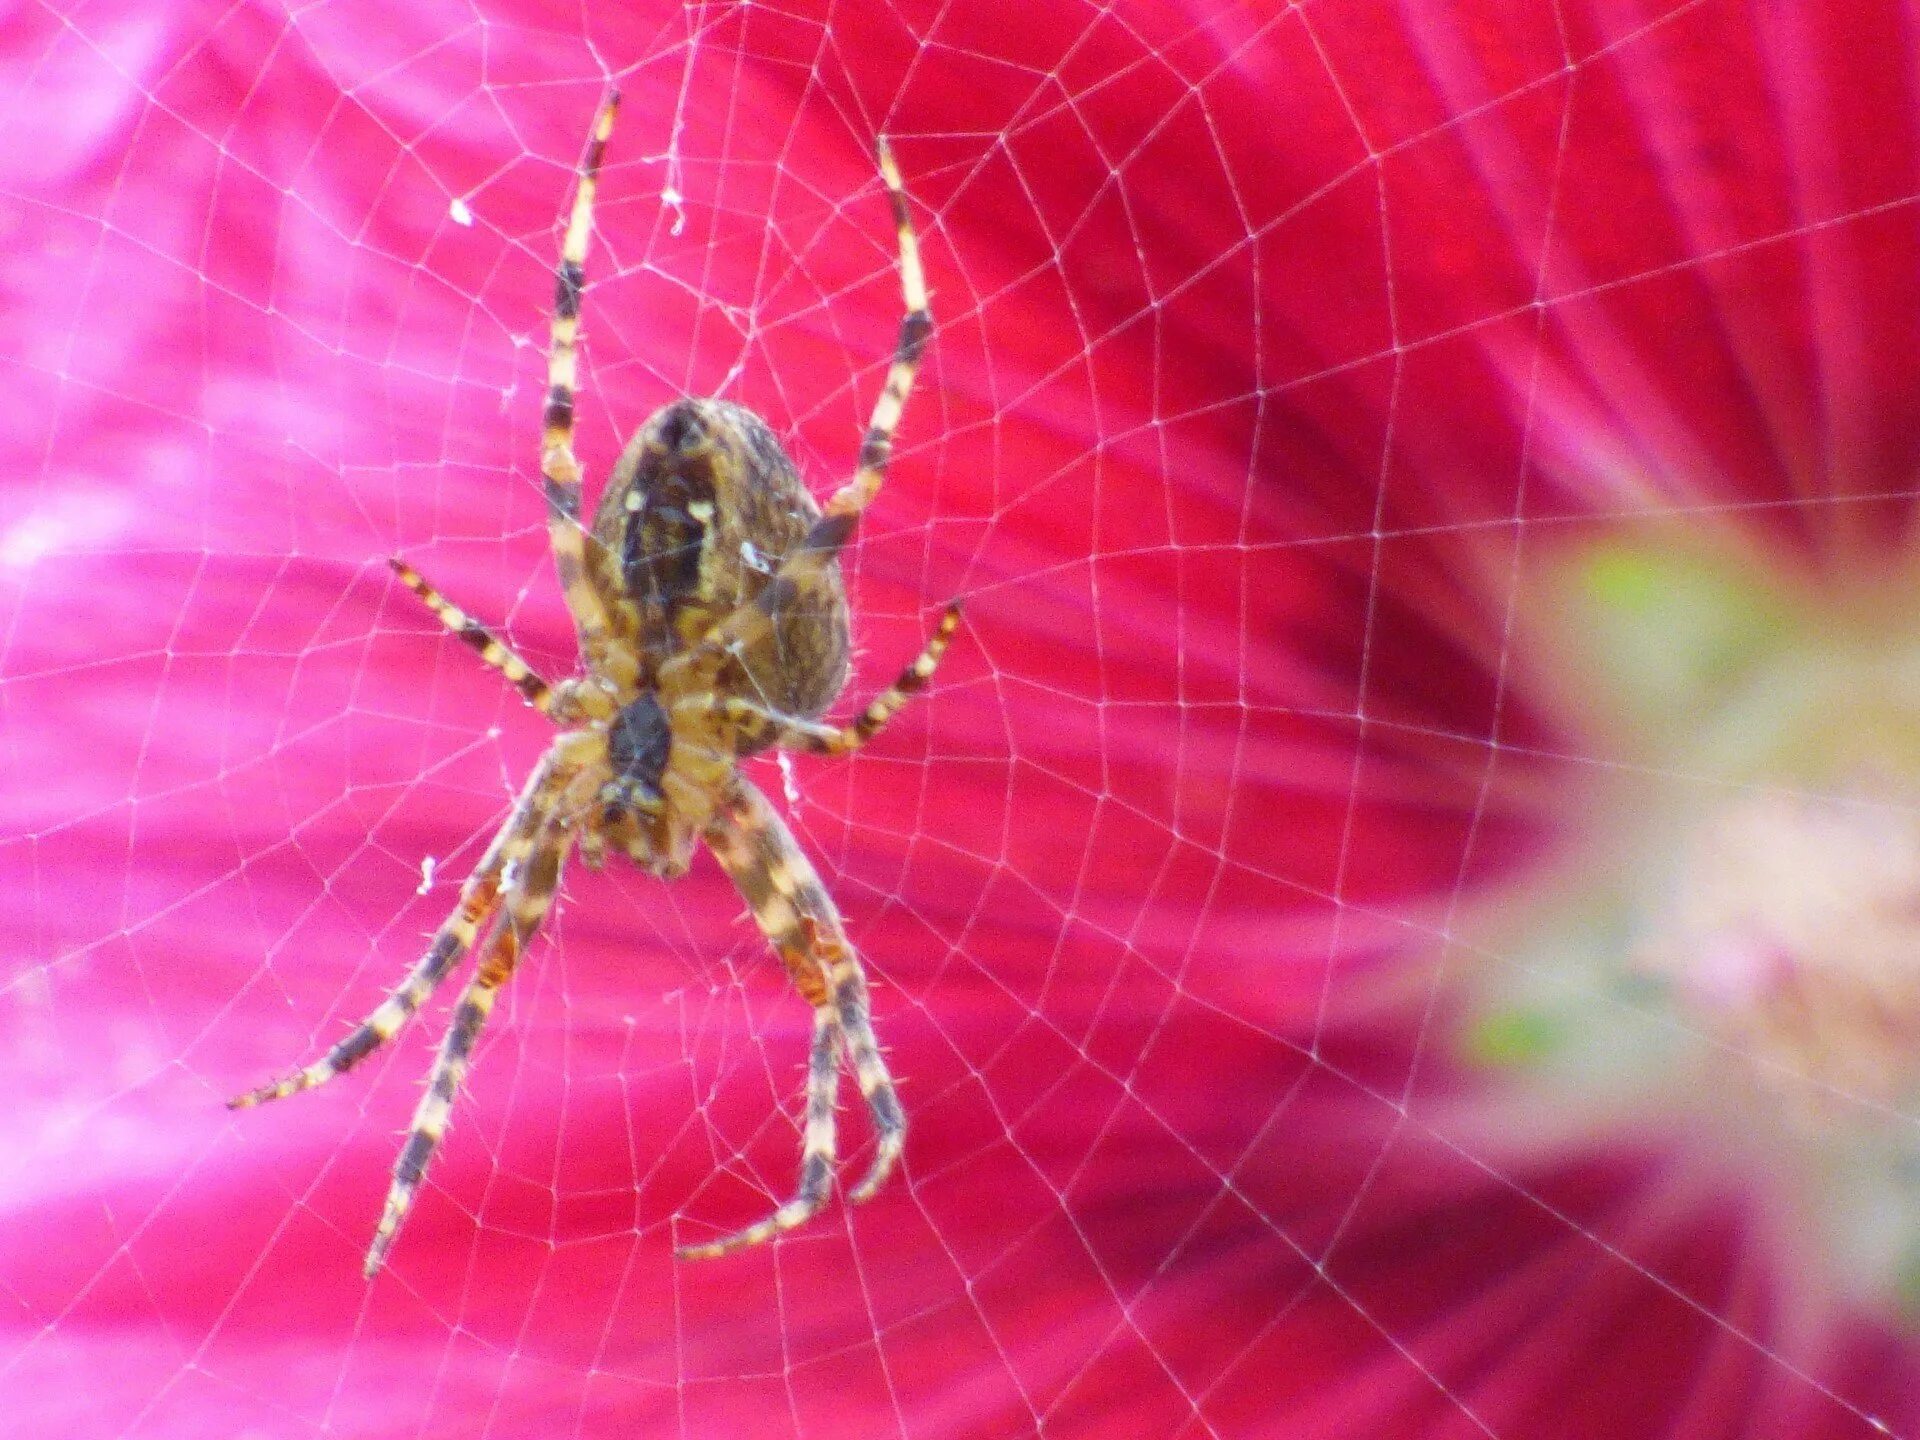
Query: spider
x,y
713,624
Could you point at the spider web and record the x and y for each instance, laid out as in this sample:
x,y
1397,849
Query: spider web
x,y
1273,343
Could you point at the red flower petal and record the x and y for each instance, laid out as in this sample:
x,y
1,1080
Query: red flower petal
x,y
1267,343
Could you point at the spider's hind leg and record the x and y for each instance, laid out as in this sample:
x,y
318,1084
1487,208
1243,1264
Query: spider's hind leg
x,y
748,626
574,548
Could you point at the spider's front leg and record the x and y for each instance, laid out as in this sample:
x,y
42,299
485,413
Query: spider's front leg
x,y
799,918
479,896
527,892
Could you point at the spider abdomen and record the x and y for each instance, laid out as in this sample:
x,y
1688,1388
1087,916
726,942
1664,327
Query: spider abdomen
x,y
701,509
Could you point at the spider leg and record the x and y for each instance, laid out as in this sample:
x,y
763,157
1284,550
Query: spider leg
x,y
915,328
823,542
869,1065
808,735
578,577
800,920
522,676
528,896
816,1149
478,898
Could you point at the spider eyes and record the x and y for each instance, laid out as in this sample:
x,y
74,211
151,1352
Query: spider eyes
x,y
638,742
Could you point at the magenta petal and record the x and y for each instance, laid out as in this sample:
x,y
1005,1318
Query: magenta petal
x,y
1270,339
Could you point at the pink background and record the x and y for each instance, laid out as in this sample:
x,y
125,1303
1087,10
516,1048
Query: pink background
x,y
1264,336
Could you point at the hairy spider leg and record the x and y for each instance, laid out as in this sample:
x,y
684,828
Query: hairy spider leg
x,y
479,897
526,897
800,920
863,1053
796,734
592,613
824,541
817,1147
491,648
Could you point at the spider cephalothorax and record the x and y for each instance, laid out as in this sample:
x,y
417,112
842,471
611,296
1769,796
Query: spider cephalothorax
x,y
713,624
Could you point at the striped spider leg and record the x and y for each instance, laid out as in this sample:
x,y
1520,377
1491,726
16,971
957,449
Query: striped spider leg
x,y
525,899
809,563
712,624
794,911
600,613
510,890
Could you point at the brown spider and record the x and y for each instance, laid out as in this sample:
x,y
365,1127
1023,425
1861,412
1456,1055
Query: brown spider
x,y
713,624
